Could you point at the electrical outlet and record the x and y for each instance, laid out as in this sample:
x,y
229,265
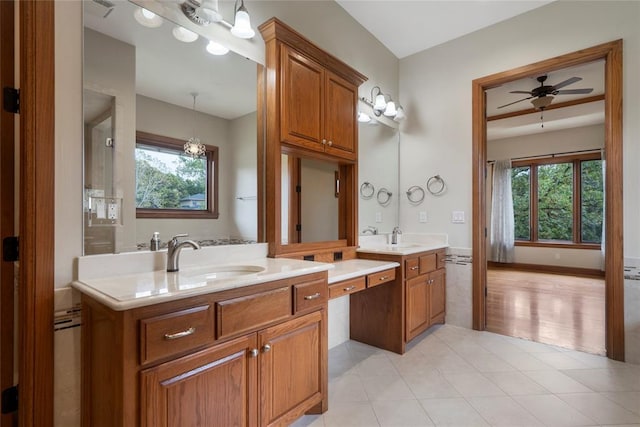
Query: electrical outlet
x,y
112,211
378,216
457,217
422,216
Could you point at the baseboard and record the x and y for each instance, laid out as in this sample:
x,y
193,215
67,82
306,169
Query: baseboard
x,y
555,269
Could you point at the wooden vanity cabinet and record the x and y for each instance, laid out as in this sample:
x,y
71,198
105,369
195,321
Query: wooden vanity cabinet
x,y
268,371
318,107
390,316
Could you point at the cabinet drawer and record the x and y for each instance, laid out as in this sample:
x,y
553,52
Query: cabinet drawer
x,y
242,314
176,332
411,268
427,263
440,257
375,279
347,287
310,295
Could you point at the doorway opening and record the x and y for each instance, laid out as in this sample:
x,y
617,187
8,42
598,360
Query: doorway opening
x,y
611,53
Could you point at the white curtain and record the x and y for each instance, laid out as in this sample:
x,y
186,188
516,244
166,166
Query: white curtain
x,y
502,223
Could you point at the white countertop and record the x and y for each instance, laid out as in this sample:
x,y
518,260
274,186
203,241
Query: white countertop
x,y
344,270
124,292
408,244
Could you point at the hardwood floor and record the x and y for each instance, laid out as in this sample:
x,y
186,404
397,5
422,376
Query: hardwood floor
x,y
562,310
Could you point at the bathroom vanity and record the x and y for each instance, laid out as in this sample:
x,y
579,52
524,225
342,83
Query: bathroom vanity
x,y
234,344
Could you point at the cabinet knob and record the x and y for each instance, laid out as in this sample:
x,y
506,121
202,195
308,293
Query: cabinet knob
x,y
414,268
266,348
254,352
324,141
384,278
330,143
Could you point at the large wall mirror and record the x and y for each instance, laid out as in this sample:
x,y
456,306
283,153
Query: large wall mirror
x,y
378,184
142,80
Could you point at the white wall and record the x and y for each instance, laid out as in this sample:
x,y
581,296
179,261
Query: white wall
x,y
549,142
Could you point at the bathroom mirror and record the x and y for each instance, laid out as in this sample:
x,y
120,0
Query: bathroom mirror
x,y
141,78
309,196
378,164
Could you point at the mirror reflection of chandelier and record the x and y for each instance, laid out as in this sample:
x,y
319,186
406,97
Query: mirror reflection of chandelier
x,y
193,147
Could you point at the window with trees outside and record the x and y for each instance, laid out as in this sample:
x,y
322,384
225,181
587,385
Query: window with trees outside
x,y
558,201
171,184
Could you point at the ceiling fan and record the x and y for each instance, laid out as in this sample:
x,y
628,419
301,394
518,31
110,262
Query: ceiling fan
x,y
542,93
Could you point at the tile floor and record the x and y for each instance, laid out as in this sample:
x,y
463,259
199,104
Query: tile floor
x,y
453,376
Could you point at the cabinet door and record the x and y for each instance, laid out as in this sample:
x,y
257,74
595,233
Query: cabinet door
x,y
417,306
302,93
213,387
341,132
437,296
293,375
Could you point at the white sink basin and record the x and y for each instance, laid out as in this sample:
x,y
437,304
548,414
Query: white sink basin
x,y
227,271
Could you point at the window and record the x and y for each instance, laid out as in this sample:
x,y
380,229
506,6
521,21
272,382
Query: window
x,y
558,201
170,184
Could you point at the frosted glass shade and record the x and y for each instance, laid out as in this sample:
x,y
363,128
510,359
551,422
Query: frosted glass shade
x,y
184,35
390,111
147,18
242,26
216,48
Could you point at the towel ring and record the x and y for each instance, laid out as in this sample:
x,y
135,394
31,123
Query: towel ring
x,y
436,185
367,190
384,196
415,194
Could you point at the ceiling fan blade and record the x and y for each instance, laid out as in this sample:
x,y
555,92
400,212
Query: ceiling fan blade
x,y
520,91
573,91
567,82
515,102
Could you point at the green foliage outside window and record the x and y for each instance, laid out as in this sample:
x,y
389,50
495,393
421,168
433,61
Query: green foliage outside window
x,y
521,189
592,201
555,202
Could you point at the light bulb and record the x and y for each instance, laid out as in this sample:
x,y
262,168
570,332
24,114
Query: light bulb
x,y
147,18
363,118
184,35
216,48
390,111
399,114
242,26
380,103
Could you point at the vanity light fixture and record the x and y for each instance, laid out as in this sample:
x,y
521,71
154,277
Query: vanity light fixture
x,y
363,117
147,18
383,105
193,147
216,48
184,35
242,22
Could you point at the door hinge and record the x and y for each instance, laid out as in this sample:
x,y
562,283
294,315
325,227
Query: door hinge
x,y
11,100
485,232
298,227
298,189
10,400
486,292
10,248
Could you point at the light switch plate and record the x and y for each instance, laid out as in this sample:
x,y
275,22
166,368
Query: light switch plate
x,y
422,216
378,216
457,217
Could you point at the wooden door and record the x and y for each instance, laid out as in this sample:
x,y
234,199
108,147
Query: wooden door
x,y
292,377
7,207
213,387
417,306
437,296
341,132
302,93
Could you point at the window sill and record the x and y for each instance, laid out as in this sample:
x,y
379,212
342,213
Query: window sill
x,y
568,245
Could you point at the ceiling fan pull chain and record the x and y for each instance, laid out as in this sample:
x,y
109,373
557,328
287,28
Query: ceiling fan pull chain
x,y
542,118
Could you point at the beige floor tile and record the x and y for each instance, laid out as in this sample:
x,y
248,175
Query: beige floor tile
x,y
532,346
473,384
524,361
375,366
600,409
553,411
560,360
356,414
503,411
430,385
348,388
456,412
557,382
627,399
384,388
309,421
608,379
401,413
487,362
515,383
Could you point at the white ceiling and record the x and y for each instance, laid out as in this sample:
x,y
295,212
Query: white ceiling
x,y
408,27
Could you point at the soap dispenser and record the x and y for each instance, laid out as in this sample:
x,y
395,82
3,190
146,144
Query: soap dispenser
x,y
155,241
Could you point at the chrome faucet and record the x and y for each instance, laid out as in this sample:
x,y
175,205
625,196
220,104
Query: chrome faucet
x,y
370,229
173,250
394,235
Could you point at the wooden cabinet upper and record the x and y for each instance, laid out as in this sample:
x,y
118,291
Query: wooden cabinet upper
x,y
318,107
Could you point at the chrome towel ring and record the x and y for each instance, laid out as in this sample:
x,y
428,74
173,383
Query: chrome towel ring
x,y
367,190
415,194
436,185
384,196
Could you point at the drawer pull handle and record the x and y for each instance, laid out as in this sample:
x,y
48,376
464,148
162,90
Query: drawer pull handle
x,y
314,296
384,278
349,288
180,334
254,352
414,268
266,348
